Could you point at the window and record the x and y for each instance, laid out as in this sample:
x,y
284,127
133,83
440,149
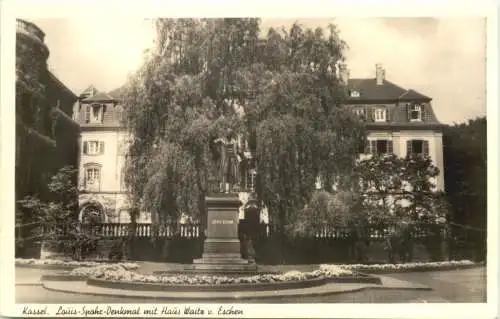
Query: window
x,y
417,147
380,147
92,177
415,112
359,112
354,93
93,147
380,115
94,113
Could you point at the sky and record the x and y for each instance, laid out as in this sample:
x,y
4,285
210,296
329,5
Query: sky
x,y
442,58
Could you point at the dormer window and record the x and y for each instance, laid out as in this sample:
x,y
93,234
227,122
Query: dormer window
x,y
354,93
415,112
380,115
94,113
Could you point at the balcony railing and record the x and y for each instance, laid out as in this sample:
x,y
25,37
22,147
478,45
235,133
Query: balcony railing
x,y
193,231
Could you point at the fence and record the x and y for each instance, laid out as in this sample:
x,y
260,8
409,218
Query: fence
x,y
184,242
193,230
169,230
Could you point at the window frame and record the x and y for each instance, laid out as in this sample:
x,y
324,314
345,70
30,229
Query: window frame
x,y
383,115
94,167
424,145
416,108
99,119
373,146
97,150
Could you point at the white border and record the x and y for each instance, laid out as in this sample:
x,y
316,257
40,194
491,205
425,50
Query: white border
x,y
275,9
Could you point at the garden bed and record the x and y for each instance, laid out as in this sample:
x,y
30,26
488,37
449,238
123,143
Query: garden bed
x,y
407,267
67,264
120,278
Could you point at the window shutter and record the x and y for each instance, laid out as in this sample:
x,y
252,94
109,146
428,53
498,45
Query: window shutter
x,y
408,111
101,147
423,112
367,147
425,147
85,147
87,114
373,147
389,147
409,150
103,112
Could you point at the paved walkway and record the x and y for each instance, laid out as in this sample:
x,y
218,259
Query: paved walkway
x,y
466,285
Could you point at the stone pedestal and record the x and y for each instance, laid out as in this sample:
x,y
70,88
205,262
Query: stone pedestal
x,y
221,250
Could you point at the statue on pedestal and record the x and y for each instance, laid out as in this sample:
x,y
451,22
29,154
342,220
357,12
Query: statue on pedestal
x,y
228,164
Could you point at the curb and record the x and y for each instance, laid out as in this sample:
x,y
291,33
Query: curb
x,y
266,286
236,298
62,277
142,286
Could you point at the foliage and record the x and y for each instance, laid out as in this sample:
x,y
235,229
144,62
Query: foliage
x,y
465,165
297,122
396,190
210,78
379,181
177,104
57,219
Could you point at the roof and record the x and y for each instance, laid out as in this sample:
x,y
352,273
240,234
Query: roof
x,y
370,90
61,85
397,116
413,95
100,97
91,90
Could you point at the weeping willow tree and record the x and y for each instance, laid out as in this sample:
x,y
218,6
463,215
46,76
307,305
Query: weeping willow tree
x,y
207,78
298,124
176,105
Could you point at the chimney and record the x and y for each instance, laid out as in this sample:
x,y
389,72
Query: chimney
x,y
343,73
379,74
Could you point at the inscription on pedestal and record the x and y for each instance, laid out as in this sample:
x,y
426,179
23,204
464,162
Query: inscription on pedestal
x,y
222,221
221,251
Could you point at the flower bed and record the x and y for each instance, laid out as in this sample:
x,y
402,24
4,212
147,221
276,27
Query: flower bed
x,y
121,273
68,264
407,267
118,277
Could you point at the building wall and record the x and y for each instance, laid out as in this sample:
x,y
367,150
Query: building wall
x,y
111,193
111,160
399,139
46,137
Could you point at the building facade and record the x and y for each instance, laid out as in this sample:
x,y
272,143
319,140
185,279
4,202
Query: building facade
x,y
398,121
46,135
103,146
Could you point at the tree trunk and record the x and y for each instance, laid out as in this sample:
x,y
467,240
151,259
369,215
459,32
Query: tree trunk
x,y
280,253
